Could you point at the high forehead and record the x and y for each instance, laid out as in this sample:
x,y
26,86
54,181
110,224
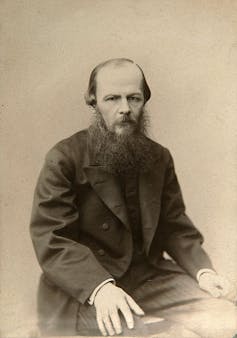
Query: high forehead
x,y
113,77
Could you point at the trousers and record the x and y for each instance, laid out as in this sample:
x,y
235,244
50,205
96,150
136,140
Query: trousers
x,y
167,293
175,297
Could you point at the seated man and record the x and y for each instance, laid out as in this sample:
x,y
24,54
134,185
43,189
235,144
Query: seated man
x,y
107,207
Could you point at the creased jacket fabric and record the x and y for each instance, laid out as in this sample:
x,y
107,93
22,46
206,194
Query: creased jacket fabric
x,y
75,198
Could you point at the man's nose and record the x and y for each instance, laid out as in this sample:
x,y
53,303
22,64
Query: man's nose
x,y
124,107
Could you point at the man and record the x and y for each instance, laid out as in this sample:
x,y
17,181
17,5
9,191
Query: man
x,y
107,206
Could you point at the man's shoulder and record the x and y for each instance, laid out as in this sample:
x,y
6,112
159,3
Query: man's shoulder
x,y
161,151
70,147
78,139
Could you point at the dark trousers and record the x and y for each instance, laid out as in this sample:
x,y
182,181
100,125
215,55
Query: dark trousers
x,y
167,292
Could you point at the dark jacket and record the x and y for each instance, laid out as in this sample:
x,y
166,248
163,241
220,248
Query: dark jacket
x,y
80,228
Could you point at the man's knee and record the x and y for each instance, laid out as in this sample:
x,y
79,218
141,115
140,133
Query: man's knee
x,y
209,318
219,319
226,315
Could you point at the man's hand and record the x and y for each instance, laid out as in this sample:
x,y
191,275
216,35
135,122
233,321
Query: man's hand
x,y
217,285
108,301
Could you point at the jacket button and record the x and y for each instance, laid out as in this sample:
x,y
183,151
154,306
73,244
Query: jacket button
x,y
101,252
105,226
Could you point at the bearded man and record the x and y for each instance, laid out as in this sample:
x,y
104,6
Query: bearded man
x,y
107,207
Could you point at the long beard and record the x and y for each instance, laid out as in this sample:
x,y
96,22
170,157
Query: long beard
x,y
122,153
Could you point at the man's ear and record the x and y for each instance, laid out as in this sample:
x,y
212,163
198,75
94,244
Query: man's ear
x,y
90,100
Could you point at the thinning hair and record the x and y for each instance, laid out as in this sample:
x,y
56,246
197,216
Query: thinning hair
x,y
90,96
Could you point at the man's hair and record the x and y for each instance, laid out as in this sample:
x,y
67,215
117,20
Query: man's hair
x,y
90,96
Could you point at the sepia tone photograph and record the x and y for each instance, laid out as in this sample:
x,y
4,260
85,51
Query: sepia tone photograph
x,y
118,164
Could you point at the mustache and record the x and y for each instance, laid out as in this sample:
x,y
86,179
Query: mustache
x,y
142,124
127,118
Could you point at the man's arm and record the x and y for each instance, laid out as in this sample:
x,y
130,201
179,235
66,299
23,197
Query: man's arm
x,y
68,264
183,241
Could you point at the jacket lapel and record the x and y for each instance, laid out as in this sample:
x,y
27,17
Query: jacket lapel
x,y
108,188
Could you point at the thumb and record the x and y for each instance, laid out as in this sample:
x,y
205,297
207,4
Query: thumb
x,y
133,305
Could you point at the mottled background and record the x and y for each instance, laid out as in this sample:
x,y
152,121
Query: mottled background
x,y
188,50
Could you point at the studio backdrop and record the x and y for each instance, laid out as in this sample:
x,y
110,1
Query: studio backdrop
x,y
188,51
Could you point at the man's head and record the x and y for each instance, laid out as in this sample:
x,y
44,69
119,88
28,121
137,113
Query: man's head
x,y
118,91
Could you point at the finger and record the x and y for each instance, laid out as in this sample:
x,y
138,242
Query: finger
x,y
114,316
223,285
232,295
108,325
101,325
127,315
214,292
134,306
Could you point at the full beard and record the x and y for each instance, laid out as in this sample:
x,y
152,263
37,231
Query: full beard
x,y
120,153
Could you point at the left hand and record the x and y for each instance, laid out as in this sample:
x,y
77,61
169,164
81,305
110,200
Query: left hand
x,y
217,285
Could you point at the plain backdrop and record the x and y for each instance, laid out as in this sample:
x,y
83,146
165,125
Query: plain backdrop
x,y
188,50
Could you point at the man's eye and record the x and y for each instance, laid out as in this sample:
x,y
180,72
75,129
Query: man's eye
x,y
134,99
111,98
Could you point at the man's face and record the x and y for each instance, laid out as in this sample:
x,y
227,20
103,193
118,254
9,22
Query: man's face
x,y
119,97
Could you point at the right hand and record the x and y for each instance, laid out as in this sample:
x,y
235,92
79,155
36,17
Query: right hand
x,y
108,300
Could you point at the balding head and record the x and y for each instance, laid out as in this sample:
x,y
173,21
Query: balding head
x,y
106,69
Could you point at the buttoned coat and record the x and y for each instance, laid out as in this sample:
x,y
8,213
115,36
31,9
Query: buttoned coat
x,y
80,228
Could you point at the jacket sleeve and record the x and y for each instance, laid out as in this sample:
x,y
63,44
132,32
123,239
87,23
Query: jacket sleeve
x,y
182,240
65,262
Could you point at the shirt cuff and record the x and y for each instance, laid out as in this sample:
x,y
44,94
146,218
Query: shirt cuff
x,y
201,271
92,296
